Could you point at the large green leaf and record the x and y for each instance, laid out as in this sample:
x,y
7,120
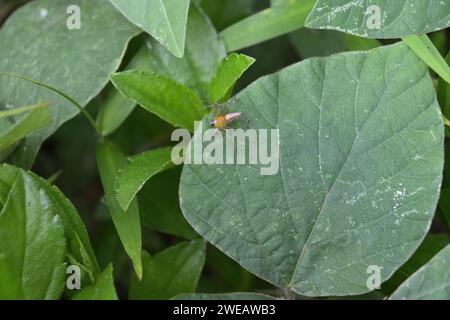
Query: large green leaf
x,y
361,157
164,20
431,282
103,289
171,272
32,244
224,296
109,160
89,56
398,18
204,51
162,96
267,24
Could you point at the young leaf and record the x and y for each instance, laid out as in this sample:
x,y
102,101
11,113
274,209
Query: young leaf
x,y
29,123
354,188
164,20
230,70
103,289
32,244
224,296
426,51
140,169
42,25
171,272
267,24
127,223
431,282
379,18
204,51
20,110
164,97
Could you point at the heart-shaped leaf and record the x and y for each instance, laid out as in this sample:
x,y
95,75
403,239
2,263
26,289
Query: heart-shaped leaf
x,y
89,55
361,157
380,18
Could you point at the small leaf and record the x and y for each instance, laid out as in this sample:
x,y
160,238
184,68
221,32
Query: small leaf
x,y
397,18
20,110
360,139
171,272
267,24
103,289
230,70
32,244
164,97
29,123
224,296
164,20
426,51
127,223
142,167
431,282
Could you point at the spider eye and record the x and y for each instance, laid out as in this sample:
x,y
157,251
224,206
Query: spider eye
x,y
211,123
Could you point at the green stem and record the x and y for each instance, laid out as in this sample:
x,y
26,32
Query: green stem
x,y
70,99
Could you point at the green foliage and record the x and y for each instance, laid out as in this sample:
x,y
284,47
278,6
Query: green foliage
x,y
88,59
